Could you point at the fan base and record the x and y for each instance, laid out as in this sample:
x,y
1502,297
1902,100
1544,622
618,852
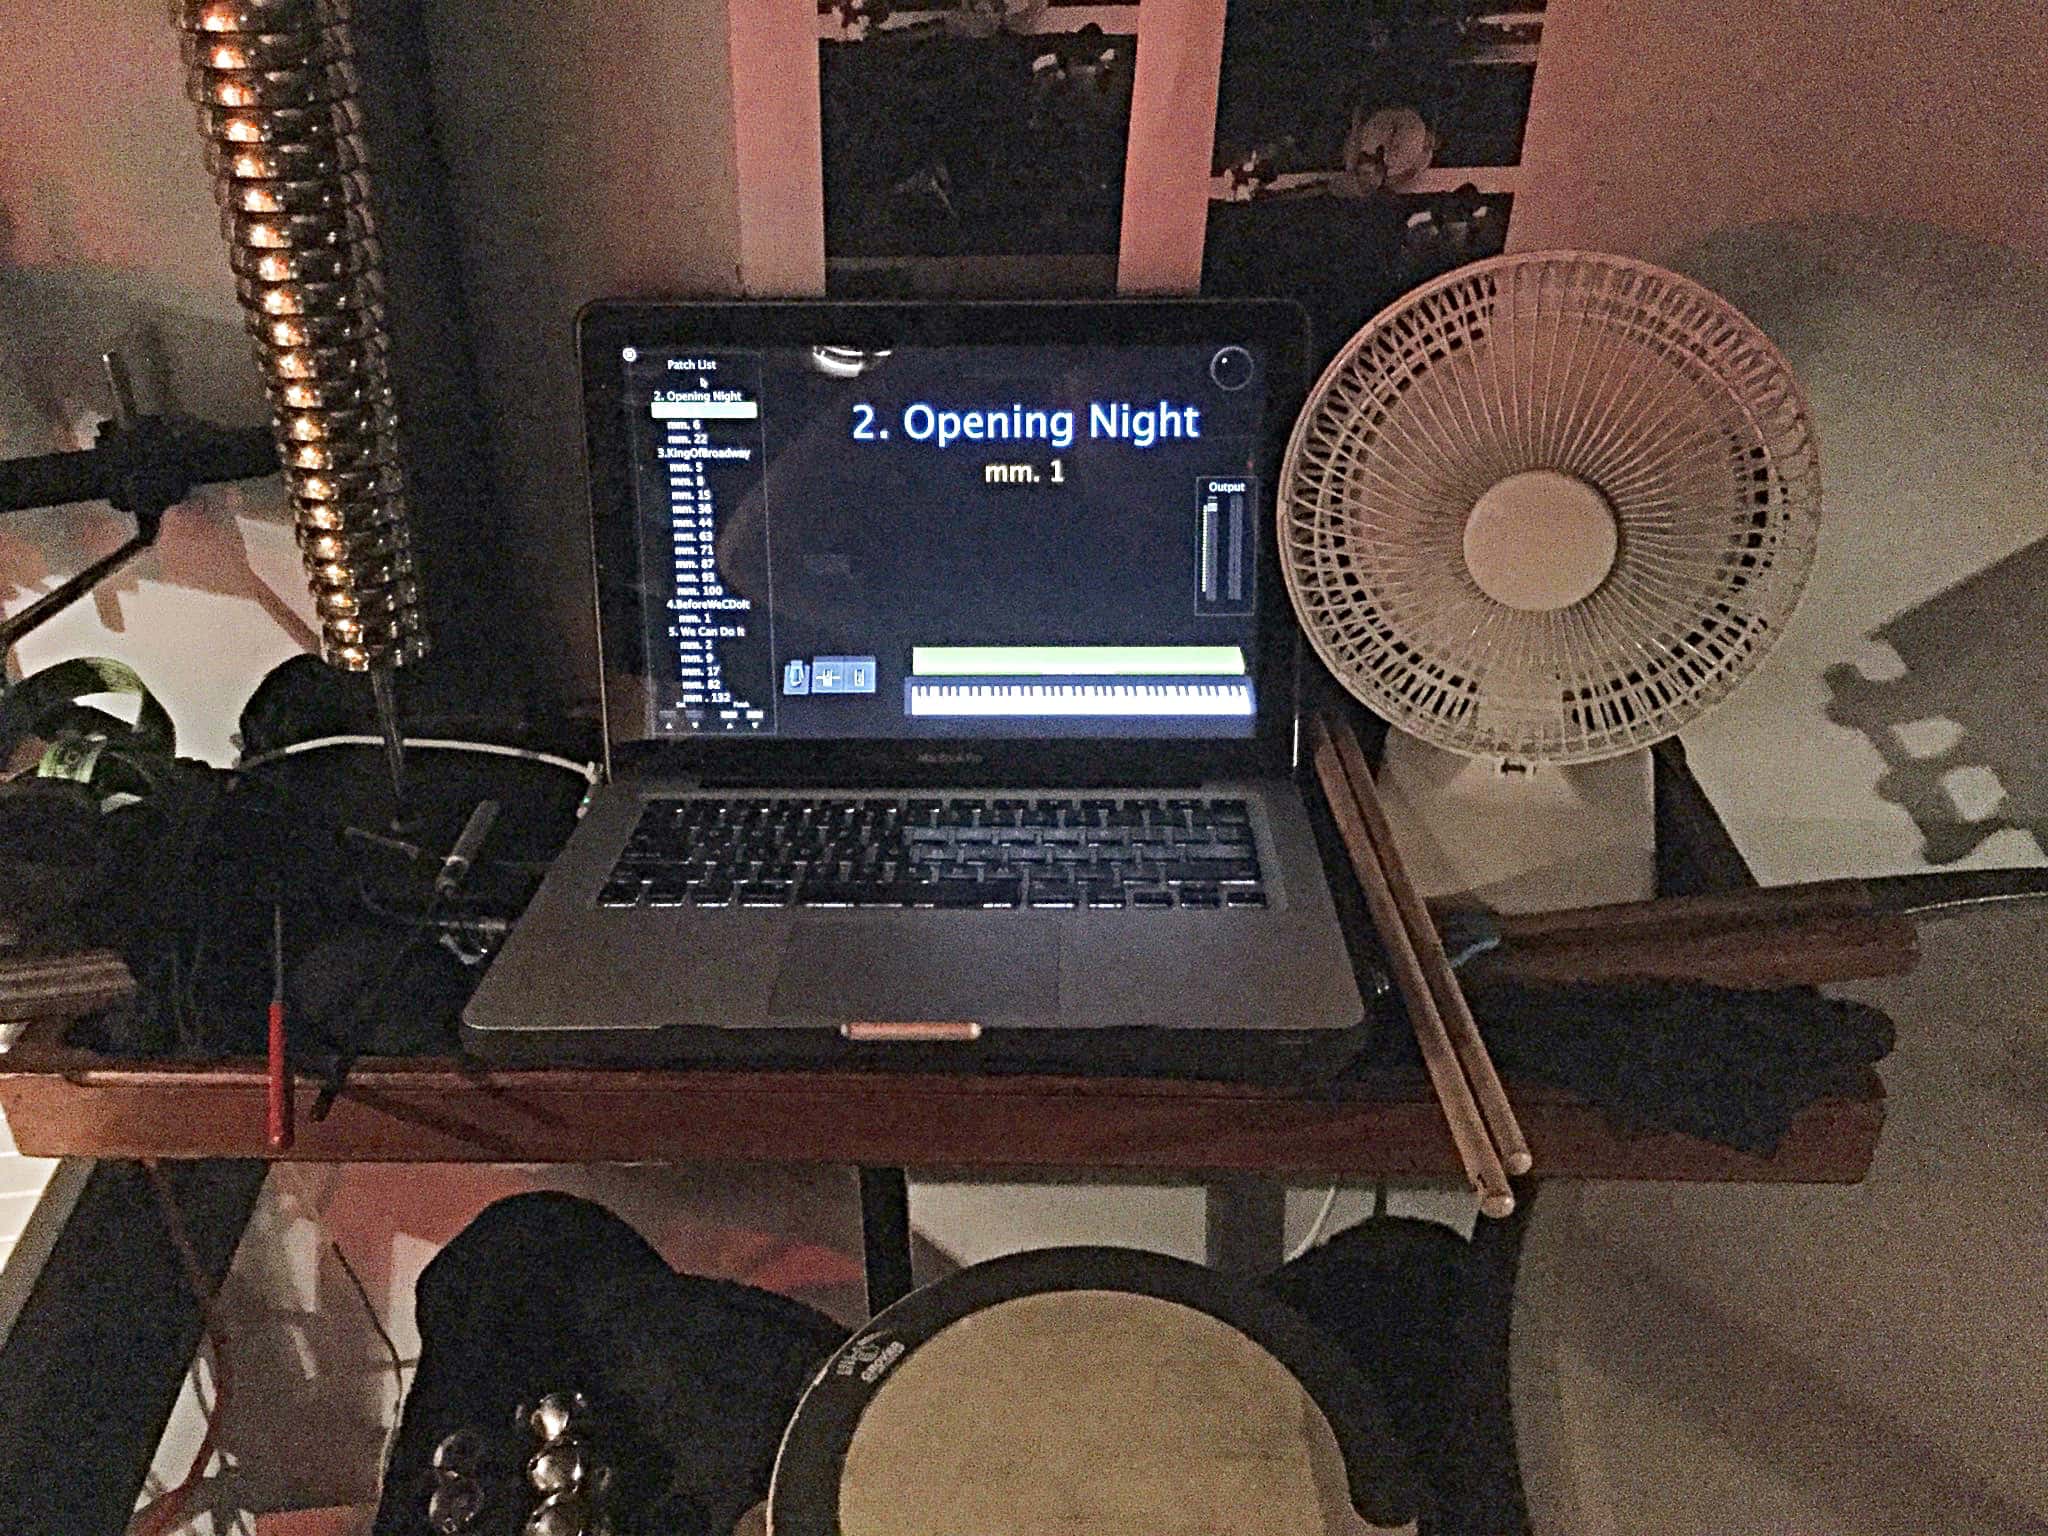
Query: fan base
x,y
1525,840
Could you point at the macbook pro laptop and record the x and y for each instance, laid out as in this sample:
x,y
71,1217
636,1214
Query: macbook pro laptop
x,y
950,688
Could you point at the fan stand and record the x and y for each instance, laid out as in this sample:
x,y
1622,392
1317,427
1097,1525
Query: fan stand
x,y
1521,837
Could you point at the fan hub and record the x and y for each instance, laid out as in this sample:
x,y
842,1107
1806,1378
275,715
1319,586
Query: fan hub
x,y
1540,540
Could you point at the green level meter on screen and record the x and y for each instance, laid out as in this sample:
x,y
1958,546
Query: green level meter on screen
x,y
1076,661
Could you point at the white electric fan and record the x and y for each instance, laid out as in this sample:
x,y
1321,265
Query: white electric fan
x,y
1539,514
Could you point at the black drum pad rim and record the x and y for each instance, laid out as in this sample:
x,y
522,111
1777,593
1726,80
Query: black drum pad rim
x,y
804,1491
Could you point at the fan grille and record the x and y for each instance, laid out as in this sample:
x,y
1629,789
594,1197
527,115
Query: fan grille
x,y
1643,384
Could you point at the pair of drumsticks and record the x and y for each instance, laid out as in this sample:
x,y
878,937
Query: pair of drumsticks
x,y
1482,1123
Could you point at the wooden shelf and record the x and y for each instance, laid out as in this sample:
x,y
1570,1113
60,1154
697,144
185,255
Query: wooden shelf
x,y
66,1102
61,1101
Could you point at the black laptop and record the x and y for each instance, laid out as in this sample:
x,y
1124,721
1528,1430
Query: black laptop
x,y
950,688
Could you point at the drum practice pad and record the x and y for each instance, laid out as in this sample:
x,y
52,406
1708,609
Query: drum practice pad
x,y
1088,1390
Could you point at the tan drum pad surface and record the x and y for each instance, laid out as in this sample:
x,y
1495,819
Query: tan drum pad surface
x,y
1086,1412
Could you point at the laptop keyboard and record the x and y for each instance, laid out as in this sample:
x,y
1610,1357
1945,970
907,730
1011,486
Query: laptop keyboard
x,y
1113,855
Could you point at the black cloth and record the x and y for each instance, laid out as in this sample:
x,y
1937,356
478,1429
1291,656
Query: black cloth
x,y
1389,1293
1425,1314
1734,1067
1730,1066
690,1381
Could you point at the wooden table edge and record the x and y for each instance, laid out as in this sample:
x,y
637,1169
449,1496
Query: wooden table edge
x,y
65,1102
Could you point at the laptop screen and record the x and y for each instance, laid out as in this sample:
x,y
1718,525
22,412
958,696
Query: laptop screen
x,y
945,538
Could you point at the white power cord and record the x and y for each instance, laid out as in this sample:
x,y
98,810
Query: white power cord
x,y
588,772
1315,1228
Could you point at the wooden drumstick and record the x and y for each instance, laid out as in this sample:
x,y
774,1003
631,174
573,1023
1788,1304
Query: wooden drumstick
x,y
1454,1095
1463,1029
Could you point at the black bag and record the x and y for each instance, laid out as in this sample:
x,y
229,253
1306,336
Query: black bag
x,y
690,1381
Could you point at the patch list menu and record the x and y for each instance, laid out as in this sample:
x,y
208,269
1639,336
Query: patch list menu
x,y
710,446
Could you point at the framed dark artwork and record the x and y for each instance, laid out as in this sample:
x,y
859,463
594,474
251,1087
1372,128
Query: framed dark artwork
x,y
1336,152
976,143
1363,147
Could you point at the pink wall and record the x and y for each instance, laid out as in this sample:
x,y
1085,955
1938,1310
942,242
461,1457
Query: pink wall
x,y
100,163
591,149
1658,122
108,239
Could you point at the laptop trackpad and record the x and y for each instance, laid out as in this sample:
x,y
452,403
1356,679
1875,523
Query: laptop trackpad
x,y
922,969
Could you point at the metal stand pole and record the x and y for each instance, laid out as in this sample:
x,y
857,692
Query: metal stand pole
x,y
885,1235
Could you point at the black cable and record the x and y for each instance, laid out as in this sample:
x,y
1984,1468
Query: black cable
x,y
361,1023
370,1311
390,1348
